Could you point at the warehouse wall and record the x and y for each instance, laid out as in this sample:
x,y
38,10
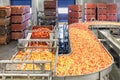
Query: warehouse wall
x,y
4,2
20,2
82,2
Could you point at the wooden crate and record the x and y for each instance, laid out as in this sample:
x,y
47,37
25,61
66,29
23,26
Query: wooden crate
x,y
27,16
75,14
5,21
18,18
27,9
4,39
50,12
102,17
89,17
44,34
112,17
74,20
90,6
5,30
5,12
102,5
75,8
101,11
90,11
17,35
49,4
18,27
112,11
111,6
18,10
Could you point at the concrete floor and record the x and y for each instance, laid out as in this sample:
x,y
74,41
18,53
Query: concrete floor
x,y
7,51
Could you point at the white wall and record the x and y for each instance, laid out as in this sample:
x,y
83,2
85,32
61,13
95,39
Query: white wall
x,y
4,2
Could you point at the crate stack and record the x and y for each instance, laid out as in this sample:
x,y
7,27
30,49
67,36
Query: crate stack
x,y
20,18
74,14
90,12
101,11
112,12
50,12
5,27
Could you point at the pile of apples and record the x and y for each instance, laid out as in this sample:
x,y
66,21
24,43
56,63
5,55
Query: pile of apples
x,y
40,32
87,54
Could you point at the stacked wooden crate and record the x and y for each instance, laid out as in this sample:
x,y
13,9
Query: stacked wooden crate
x,y
112,12
5,13
101,12
90,11
20,18
50,11
74,14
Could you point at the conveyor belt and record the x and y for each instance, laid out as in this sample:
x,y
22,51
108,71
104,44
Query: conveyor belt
x,y
112,42
99,75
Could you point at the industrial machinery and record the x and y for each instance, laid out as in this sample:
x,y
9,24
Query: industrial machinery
x,y
64,43
40,71
16,64
110,36
45,20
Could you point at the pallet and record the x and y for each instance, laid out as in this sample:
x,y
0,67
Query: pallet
x,y
5,30
17,35
75,15
101,5
90,6
19,26
49,4
20,18
90,11
4,21
75,8
5,12
50,12
5,39
20,10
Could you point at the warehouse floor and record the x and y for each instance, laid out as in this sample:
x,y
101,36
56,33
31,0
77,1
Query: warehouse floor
x,y
7,51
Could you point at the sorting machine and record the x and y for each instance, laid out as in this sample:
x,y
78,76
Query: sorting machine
x,y
109,35
9,67
12,73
